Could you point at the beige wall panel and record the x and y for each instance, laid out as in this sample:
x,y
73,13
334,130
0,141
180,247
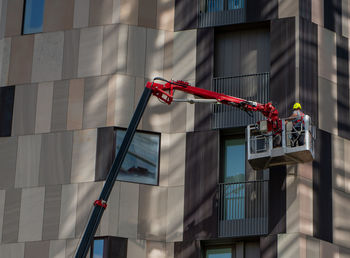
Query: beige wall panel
x,y
347,166
156,249
165,149
129,11
317,12
14,17
305,192
128,210
293,204
60,105
341,211
2,206
168,54
154,53
32,213
327,57
100,12
44,107
291,245
136,51
305,170
178,113
68,213
52,210
110,49
3,10
344,252
184,55
116,11
20,70
175,214
288,8
70,54
148,13
95,102
122,48
75,104
12,250
8,157
345,18
56,158
177,156
81,13
124,101
11,215
57,249
90,51
111,104
152,222
5,49
28,161
338,163
327,112
48,56
58,15
170,250
165,15
24,109
84,156
71,247
36,249
328,250
312,247
87,194
136,248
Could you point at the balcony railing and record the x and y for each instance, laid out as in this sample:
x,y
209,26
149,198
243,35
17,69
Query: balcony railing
x,y
253,87
243,209
221,12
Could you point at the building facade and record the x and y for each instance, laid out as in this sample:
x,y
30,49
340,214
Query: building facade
x,y
71,75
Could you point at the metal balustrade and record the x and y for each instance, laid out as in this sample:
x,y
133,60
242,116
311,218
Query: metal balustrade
x,y
221,12
243,209
253,87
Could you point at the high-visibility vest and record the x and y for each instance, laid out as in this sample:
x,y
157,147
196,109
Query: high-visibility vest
x,y
300,117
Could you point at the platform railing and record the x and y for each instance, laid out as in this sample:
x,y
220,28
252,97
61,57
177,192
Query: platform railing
x,y
221,12
243,209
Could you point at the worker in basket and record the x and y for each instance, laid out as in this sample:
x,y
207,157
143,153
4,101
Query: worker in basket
x,y
298,134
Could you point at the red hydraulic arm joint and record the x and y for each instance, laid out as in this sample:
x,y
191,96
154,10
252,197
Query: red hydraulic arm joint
x,y
101,203
165,92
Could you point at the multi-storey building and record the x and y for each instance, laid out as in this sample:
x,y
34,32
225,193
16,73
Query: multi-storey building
x,y
71,74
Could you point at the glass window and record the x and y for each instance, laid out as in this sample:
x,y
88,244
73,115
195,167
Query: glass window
x,y
141,163
33,16
219,253
97,251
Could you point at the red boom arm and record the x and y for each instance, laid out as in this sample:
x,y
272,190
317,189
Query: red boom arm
x,y
165,92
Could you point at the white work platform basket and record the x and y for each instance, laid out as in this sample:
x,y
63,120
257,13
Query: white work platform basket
x,y
289,147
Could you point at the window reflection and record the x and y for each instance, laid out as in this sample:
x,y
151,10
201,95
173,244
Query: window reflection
x,y
219,253
141,162
98,248
33,16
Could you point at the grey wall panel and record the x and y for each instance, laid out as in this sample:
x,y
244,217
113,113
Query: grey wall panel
x,y
322,187
11,215
3,10
105,152
14,17
308,69
70,54
7,97
186,15
56,158
52,208
81,13
204,74
200,210
100,12
44,107
261,10
332,15
36,249
110,49
24,110
343,107
60,106
136,51
268,246
58,15
282,56
8,157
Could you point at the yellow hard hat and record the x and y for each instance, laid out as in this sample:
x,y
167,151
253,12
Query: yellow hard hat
x,y
297,106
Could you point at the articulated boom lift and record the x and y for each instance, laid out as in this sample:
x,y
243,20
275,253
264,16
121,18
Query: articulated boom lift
x,y
262,148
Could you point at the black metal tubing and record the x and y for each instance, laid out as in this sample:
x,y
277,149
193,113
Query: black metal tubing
x,y
97,213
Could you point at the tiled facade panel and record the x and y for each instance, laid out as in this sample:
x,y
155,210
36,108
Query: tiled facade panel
x,y
148,13
14,250
341,210
44,107
185,15
48,56
128,214
317,12
58,15
81,13
110,49
33,249
154,53
52,209
345,18
129,11
57,249
7,95
60,105
327,56
24,109
3,14
2,211
90,51
68,214
28,161
75,104
70,54
21,58
8,156
136,51
56,158
136,248
11,215
14,18
100,12
165,15
5,49
175,214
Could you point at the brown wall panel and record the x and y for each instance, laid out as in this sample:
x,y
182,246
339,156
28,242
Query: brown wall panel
x,y
282,56
201,174
268,246
58,15
14,17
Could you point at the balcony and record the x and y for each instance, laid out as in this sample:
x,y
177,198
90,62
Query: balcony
x,y
253,87
221,12
243,209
